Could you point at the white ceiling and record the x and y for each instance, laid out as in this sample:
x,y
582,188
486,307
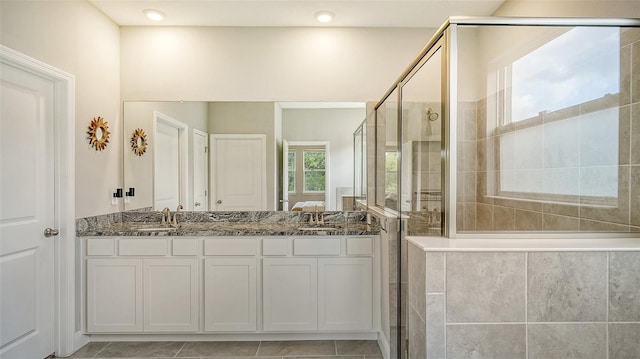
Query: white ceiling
x,y
348,13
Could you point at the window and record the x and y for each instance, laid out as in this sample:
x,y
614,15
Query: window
x,y
580,65
291,160
391,172
558,138
314,163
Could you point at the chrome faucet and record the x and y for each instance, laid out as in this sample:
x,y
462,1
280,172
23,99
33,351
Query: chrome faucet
x,y
175,215
166,216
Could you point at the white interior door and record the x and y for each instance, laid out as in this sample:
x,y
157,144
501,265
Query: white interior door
x,y
239,172
167,166
285,175
26,208
200,171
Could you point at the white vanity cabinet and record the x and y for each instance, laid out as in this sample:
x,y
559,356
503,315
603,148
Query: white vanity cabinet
x,y
127,295
233,285
331,291
171,290
345,293
230,294
114,295
290,294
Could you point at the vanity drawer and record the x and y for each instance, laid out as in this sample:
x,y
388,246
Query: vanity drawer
x,y
185,246
316,246
275,247
100,246
359,246
236,246
143,247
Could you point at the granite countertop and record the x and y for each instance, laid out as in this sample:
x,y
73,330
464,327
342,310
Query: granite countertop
x,y
202,229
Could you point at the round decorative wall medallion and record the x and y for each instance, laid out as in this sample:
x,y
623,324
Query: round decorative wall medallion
x,y
98,133
139,142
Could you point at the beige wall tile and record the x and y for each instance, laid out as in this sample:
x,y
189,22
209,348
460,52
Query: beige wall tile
x,y
484,217
528,221
596,226
561,209
568,341
623,341
629,36
552,222
635,196
485,287
504,218
635,72
567,286
624,287
635,134
494,341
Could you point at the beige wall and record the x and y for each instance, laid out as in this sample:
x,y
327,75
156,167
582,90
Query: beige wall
x,y
138,170
77,38
249,118
264,64
570,8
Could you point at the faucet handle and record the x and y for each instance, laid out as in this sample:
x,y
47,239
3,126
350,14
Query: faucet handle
x,y
166,215
175,215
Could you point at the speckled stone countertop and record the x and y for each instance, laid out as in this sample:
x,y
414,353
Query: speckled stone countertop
x,y
203,224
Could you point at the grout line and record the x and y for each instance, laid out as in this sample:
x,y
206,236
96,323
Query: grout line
x,y
179,350
335,346
101,350
258,350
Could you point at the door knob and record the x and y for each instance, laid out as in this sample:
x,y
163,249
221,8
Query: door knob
x,y
51,232
219,201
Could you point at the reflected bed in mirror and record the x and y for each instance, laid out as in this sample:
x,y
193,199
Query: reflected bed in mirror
x,y
229,156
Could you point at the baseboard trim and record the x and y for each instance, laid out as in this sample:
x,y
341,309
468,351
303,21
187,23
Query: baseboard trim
x,y
234,336
383,343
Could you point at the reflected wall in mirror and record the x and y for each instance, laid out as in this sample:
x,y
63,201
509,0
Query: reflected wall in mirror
x,y
179,167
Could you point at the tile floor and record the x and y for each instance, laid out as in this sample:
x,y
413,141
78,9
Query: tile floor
x,y
307,349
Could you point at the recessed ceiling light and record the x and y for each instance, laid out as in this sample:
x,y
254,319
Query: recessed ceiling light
x,y
324,16
154,15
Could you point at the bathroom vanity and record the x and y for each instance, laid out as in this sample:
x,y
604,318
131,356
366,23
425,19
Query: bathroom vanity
x,y
269,278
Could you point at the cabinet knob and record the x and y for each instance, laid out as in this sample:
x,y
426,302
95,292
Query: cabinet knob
x,y
197,204
219,201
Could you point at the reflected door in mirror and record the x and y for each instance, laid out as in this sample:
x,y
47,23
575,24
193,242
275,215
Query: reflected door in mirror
x,y
167,165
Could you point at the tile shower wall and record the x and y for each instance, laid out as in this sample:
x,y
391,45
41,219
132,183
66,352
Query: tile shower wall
x,y
478,207
511,305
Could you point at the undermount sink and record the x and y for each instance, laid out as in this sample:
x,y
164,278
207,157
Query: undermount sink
x,y
154,228
317,228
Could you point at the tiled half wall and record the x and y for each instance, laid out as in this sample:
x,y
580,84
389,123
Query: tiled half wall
x,y
523,305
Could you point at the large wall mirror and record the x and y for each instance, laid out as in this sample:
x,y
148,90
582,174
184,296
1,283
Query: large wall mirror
x,y
233,156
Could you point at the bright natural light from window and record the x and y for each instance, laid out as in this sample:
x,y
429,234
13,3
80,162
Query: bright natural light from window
x,y
570,154
580,65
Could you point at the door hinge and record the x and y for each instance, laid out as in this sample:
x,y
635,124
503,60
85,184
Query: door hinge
x,y
206,149
205,192
406,348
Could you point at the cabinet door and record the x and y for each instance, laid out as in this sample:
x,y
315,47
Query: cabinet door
x,y
290,290
230,299
114,295
171,295
345,294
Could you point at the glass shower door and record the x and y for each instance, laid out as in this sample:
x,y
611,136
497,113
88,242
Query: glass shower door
x,y
420,193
